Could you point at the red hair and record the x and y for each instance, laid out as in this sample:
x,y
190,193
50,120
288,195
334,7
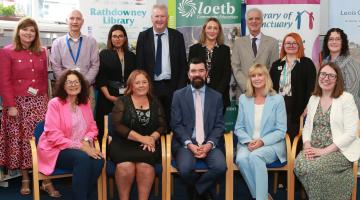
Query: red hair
x,y
298,40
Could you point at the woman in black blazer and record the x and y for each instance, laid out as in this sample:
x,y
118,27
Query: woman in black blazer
x,y
116,63
216,54
293,76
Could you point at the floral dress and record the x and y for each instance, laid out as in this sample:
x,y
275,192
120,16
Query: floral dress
x,y
328,177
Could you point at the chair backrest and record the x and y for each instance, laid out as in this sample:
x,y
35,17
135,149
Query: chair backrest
x,y
39,129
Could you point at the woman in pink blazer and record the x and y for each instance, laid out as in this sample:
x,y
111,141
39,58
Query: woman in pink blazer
x,y
67,141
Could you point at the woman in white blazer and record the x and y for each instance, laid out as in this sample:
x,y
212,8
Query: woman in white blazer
x,y
330,139
260,128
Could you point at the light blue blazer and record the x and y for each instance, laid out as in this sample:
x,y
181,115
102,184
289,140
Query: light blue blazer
x,y
273,123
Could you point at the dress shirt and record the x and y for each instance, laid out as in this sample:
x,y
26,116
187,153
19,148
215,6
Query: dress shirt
x,y
165,56
88,61
257,41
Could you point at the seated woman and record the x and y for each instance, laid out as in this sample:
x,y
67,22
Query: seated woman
x,y
330,141
260,128
67,141
138,121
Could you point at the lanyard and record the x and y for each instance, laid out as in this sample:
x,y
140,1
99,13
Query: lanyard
x,y
71,52
283,81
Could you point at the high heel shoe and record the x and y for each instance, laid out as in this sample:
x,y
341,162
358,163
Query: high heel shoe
x,y
25,187
50,190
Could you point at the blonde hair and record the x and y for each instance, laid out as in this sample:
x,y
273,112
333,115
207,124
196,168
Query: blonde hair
x,y
219,38
35,46
259,68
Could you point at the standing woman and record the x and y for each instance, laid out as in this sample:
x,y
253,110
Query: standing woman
x,y
294,77
336,49
211,48
24,91
116,63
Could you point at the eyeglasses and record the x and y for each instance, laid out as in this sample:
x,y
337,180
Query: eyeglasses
x,y
118,36
338,39
72,83
330,76
289,44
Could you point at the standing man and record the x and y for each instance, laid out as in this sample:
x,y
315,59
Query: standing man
x,y
77,52
253,48
160,51
198,124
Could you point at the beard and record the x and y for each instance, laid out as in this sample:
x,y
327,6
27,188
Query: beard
x,y
197,82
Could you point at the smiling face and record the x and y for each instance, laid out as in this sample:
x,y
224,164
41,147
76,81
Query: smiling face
x,y
254,22
327,79
159,19
291,46
212,30
140,86
117,39
27,36
197,75
72,85
75,21
334,42
258,80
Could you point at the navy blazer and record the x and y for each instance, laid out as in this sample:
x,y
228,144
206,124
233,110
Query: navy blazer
x,y
145,56
183,116
273,123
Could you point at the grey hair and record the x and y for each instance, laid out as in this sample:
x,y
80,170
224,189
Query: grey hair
x,y
255,10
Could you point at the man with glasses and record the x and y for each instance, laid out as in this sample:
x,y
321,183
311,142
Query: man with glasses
x,y
253,48
76,51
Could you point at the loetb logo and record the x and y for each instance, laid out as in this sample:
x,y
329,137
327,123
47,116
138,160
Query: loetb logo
x,y
188,8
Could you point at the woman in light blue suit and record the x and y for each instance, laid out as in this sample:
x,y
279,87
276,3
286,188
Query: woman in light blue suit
x,y
260,128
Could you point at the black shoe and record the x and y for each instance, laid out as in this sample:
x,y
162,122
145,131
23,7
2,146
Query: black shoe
x,y
207,196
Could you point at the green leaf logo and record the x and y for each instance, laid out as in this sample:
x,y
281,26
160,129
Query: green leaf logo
x,y
187,8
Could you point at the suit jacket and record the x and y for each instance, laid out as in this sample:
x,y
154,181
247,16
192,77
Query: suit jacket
x,y
243,56
20,70
273,123
303,77
58,132
343,121
183,116
220,68
145,56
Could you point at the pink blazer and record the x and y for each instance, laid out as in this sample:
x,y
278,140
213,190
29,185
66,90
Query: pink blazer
x,y
57,132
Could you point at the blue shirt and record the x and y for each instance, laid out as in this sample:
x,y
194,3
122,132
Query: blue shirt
x,y
165,56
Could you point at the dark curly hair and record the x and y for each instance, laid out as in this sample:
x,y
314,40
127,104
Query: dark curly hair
x,y
82,97
344,43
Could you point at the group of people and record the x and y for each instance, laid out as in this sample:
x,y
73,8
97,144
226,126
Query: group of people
x,y
148,95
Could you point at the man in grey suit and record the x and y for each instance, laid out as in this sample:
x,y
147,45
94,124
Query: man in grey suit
x,y
253,48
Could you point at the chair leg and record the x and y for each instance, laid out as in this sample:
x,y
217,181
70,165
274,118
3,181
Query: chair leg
x,y
355,170
290,185
99,188
276,182
217,188
36,189
172,185
111,187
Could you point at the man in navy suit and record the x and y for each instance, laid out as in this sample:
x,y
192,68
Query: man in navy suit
x,y
160,51
198,125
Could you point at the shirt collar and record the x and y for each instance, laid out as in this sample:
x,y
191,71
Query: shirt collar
x,y
258,36
284,59
202,89
69,36
166,32
216,45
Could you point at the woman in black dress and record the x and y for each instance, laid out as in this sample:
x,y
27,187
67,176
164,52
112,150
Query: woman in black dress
x,y
138,120
211,48
116,63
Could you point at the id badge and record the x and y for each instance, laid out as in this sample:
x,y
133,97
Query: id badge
x,y
77,68
32,91
121,90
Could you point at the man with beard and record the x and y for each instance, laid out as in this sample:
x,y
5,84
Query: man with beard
x,y
198,125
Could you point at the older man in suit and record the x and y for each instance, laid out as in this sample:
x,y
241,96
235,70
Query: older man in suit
x,y
198,124
253,48
160,51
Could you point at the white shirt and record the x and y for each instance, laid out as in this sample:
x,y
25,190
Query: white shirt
x,y
257,41
257,121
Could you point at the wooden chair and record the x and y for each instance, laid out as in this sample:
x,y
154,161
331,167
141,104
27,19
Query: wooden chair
x,y
109,168
276,166
58,173
294,150
171,168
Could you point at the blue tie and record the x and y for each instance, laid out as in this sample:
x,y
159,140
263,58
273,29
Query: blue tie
x,y
158,58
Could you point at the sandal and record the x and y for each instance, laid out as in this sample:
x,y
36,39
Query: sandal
x,y
25,187
50,190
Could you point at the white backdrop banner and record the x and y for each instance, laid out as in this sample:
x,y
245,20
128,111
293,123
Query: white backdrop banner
x,y
281,18
99,16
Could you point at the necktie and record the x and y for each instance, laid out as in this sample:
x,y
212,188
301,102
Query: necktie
x,y
254,47
158,58
199,120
